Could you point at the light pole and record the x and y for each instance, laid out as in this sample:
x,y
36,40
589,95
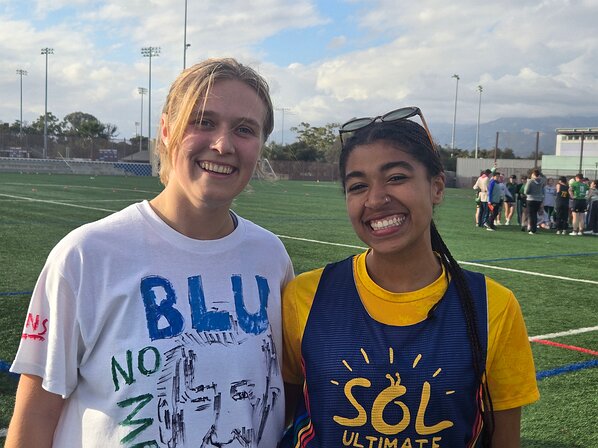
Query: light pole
x,y
142,91
477,132
149,52
283,110
21,73
455,114
185,39
46,51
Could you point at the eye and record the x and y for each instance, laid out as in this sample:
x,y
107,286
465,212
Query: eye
x,y
202,123
245,129
356,187
241,395
397,178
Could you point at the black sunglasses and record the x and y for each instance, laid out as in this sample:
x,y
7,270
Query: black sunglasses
x,y
394,115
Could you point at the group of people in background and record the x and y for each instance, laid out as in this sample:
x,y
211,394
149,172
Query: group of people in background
x,y
569,206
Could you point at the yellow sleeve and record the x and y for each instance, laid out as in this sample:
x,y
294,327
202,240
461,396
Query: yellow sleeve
x,y
510,364
296,303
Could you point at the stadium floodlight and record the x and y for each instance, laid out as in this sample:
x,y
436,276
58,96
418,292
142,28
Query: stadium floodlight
x,y
455,114
477,132
282,110
46,51
142,91
21,73
150,52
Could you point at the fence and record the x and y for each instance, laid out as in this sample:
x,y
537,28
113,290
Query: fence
x,y
68,147
86,167
298,170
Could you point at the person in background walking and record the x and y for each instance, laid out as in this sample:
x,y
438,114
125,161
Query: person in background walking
x,y
562,206
578,190
534,192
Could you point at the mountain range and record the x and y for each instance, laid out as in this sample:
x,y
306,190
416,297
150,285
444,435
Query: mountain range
x,y
517,133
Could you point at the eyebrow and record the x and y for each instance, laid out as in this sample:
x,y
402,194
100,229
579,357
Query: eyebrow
x,y
386,167
212,114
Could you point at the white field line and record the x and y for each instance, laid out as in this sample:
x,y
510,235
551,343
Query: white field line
x,y
3,432
563,333
518,271
89,187
320,242
74,201
538,274
45,201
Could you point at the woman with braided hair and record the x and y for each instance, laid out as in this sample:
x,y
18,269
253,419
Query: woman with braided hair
x,y
398,346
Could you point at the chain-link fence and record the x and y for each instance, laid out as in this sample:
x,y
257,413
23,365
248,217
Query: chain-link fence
x,y
68,147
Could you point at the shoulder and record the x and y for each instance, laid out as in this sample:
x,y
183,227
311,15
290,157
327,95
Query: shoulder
x,y
259,239
107,230
305,285
499,297
502,303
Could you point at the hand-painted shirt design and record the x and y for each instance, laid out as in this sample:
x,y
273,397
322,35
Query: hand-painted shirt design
x,y
158,340
195,400
36,327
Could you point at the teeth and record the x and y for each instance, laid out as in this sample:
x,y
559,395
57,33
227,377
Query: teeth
x,y
215,168
387,222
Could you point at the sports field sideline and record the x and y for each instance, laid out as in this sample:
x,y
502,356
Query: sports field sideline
x,y
554,277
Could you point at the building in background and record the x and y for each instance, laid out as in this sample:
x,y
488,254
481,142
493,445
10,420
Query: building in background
x,y
576,151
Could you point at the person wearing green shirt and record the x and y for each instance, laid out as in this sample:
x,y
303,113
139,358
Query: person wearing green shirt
x,y
578,191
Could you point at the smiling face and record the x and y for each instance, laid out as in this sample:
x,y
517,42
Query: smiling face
x,y
390,198
220,147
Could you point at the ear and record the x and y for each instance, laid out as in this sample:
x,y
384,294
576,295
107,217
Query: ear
x,y
164,133
437,190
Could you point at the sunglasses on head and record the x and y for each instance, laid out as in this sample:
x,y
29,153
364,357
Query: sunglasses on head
x,y
394,115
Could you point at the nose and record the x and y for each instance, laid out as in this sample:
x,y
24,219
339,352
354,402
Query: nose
x,y
222,142
228,430
376,198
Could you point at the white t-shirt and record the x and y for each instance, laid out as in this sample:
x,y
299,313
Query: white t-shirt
x,y
157,339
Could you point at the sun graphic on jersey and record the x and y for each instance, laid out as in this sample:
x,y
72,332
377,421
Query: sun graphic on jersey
x,y
390,395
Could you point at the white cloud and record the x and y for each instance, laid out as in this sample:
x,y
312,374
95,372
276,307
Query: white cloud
x,y
388,53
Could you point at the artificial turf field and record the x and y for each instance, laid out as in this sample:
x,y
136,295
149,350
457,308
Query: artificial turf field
x,y
554,277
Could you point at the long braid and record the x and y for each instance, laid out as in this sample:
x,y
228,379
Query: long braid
x,y
456,273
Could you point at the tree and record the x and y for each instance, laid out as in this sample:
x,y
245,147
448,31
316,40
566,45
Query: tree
x,y
321,139
81,124
53,123
294,151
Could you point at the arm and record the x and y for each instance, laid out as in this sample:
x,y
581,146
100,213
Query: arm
x,y
507,428
490,190
35,416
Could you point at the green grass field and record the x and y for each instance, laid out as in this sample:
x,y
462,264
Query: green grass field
x,y
554,277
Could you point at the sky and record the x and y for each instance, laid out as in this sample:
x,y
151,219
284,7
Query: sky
x,y
326,61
